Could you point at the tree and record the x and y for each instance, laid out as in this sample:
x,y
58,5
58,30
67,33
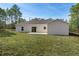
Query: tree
x,y
21,20
13,15
2,18
16,13
35,19
74,22
49,19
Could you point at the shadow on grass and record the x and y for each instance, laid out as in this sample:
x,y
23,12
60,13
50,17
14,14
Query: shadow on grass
x,y
73,34
5,33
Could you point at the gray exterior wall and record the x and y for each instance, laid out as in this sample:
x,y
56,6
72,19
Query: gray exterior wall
x,y
58,28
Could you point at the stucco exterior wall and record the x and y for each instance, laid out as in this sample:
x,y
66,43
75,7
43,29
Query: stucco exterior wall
x,y
28,28
39,28
18,27
58,28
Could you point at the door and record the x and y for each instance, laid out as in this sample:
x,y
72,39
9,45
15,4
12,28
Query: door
x,y
33,29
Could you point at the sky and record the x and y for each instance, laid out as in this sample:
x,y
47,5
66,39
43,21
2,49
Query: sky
x,y
42,10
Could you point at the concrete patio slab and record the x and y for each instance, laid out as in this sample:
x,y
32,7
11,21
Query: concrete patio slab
x,y
36,33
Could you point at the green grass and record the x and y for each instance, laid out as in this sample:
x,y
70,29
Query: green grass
x,y
14,43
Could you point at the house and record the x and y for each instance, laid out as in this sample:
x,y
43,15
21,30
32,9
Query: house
x,y
55,27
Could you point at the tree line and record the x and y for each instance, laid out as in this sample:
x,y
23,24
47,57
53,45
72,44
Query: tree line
x,y
74,20
10,16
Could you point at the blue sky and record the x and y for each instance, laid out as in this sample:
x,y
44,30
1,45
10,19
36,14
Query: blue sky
x,y
42,10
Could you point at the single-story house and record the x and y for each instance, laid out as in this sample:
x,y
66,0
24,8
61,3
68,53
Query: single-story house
x,y
55,27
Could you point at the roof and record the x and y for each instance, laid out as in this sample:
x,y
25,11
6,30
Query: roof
x,y
59,21
41,22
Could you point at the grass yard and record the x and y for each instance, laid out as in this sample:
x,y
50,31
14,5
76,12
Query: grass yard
x,y
13,43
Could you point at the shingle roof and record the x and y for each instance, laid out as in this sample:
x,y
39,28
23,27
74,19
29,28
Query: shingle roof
x,y
60,21
41,21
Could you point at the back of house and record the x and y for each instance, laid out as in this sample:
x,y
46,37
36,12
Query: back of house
x,y
55,27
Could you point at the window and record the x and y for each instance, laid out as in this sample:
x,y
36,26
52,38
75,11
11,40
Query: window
x,y
22,28
44,27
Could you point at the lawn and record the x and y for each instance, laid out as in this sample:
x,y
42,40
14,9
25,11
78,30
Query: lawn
x,y
14,43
